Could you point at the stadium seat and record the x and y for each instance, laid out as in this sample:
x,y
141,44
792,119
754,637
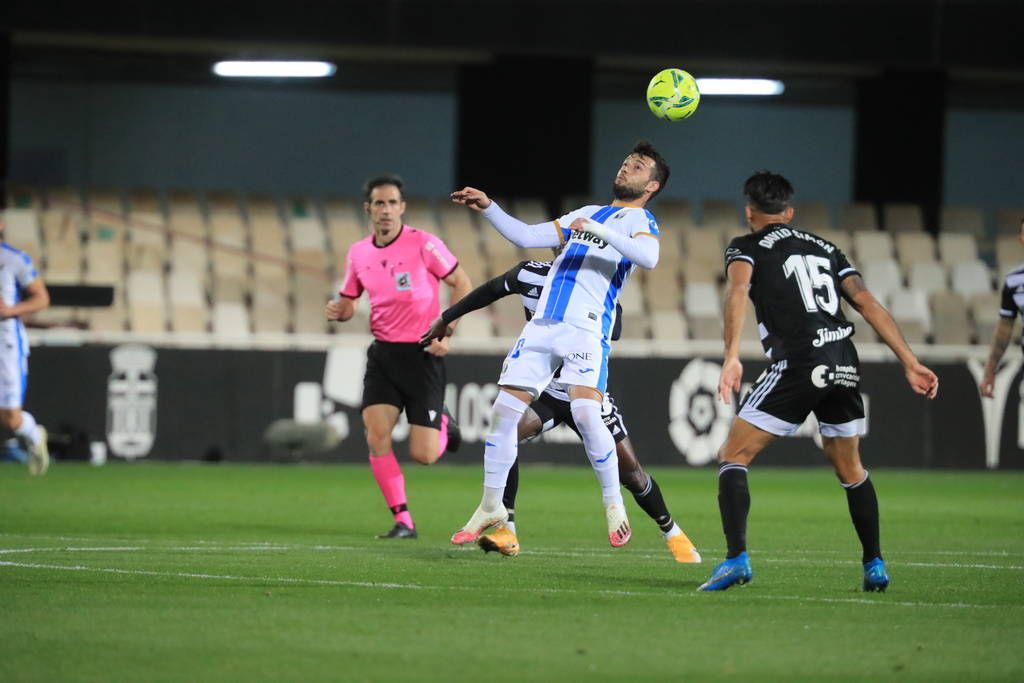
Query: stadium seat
x,y
188,310
270,307
419,213
703,310
230,320
700,270
63,240
872,245
704,245
266,229
106,204
147,302
970,278
508,316
1009,253
668,326
949,313
104,252
109,319
882,277
955,247
902,217
674,216
914,247
229,256
985,313
22,232
812,217
476,325
463,239
24,197
750,331
840,238
928,277
634,325
146,248
309,245
311,294
962,219
858,216
909,308
722,215
663,290
345,227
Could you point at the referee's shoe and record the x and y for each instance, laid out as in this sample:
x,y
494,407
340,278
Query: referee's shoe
x,y
454,433
400,531
732,572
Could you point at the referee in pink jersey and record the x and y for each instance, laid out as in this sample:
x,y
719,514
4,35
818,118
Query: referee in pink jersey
x,y
399,267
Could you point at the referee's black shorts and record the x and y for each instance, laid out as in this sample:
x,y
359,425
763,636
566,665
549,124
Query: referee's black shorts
x,y
786,393
405,376
553,411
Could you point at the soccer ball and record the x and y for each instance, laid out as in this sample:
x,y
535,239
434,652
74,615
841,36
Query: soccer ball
x,y
672,94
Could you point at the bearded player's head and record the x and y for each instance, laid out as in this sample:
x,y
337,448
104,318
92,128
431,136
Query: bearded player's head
x,y
642,176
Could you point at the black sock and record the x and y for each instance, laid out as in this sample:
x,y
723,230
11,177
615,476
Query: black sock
x,y
508,499
651,501
734,504
864,513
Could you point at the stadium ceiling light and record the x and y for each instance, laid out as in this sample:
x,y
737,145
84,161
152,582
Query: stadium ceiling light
x,y
740,86
274,69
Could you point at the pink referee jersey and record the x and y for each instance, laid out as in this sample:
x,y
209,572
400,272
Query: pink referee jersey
x,y
401,280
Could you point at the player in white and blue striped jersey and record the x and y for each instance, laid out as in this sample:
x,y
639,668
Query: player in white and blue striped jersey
x,y
575,313
21,292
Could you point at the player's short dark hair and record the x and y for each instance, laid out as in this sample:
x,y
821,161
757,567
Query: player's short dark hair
x,y
768,192
386,179
661,169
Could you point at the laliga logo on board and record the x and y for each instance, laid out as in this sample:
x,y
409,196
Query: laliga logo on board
x,y
699,422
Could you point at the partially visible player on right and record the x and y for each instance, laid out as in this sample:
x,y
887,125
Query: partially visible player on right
x,y
1011,303
795,279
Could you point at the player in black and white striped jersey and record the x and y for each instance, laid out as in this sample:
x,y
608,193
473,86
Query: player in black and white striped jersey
x,y
1011,303
552,409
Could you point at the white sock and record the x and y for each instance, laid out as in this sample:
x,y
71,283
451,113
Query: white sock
x,y
674,531
500,447
28,430
600,447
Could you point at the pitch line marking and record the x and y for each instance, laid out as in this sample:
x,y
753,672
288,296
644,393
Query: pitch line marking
x,y
581,552
410,586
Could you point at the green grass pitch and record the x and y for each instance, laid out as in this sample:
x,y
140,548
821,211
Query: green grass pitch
x,y
188,572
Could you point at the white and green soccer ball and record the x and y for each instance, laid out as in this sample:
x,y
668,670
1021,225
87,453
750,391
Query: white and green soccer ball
x,y
673,95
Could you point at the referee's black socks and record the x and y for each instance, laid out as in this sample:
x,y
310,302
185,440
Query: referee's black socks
x,y
864,512
734,504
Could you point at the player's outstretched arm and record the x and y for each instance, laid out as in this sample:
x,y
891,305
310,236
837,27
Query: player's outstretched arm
x,y
734,311
1000,340
481,297
642,249
920,378
514,230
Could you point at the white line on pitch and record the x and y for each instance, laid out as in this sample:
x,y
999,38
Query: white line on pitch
x,y
410,586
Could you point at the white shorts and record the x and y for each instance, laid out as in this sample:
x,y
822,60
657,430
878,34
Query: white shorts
x,y
546,345
13,377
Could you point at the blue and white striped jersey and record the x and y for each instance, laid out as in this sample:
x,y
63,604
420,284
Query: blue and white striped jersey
x,y
16,272
585,280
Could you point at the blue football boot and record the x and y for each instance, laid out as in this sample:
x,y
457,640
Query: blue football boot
x,y
735,571
875,576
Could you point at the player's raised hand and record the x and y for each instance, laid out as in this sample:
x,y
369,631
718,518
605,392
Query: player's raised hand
x,y
729,380
439,329
922,380
471,197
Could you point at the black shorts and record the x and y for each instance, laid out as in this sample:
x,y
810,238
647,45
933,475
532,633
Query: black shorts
x,y
405,376
553,411
784,395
